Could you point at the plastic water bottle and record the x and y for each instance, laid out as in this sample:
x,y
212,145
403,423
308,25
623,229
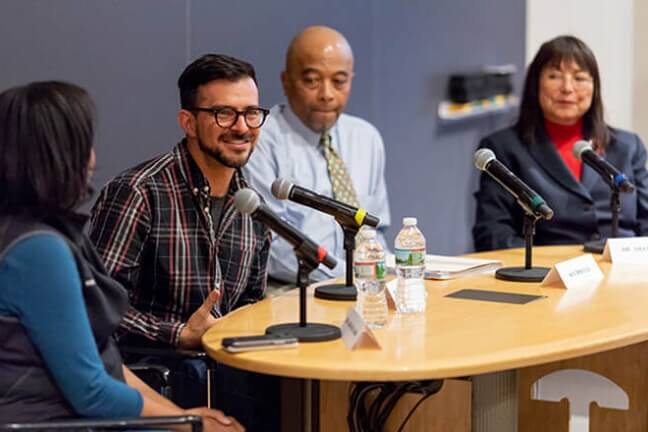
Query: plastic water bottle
x,y
369,269
410,268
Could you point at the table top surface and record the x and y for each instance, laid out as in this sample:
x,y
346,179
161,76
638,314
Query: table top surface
x,y
456,337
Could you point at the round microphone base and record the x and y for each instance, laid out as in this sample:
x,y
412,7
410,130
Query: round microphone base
x,y
338,292
311,332
522,274
595,246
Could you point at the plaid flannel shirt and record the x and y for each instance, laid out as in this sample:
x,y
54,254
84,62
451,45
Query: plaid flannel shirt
x,y
153,227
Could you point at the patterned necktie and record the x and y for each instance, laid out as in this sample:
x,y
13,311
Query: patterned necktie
x,y
340,178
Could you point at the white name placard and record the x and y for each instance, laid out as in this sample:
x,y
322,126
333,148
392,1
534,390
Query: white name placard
x,y
390,294
356,334
575,272
628,250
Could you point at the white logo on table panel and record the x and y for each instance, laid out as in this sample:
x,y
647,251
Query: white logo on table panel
x,y
626,250
580,388
574,273
356,334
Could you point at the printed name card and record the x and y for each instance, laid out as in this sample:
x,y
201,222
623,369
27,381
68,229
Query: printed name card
x,y
390,294
356,334
627,250
575,272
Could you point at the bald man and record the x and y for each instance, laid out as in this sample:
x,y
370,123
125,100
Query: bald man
x,y
304,141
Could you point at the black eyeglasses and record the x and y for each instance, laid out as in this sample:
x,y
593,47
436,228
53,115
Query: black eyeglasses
x,y
227,117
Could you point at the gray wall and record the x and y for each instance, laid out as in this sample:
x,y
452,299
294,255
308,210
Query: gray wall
x,y
128,54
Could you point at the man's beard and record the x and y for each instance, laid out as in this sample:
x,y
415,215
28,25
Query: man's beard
x,y
219,155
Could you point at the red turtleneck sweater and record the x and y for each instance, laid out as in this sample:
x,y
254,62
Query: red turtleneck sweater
x,y
564,137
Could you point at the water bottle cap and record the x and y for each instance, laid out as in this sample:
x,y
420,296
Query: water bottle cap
x,y
409,221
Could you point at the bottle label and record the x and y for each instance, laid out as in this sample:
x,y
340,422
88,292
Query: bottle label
x,y
410,257
364,269
369,269
380,270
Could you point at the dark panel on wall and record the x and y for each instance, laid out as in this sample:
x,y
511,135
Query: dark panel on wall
x,y
418,44
130,53
127,54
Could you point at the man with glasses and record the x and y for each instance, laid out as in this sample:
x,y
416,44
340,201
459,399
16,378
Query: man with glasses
x,y
312,142
167,229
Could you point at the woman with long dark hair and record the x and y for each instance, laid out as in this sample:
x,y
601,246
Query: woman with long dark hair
x,y
561,104
58,306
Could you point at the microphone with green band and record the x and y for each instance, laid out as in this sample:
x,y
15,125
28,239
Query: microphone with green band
x,y
529,199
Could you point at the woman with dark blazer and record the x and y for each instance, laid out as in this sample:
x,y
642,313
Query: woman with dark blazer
x,y
561,104
58,306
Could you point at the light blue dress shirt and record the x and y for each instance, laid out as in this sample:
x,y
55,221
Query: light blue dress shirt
x,y
289,149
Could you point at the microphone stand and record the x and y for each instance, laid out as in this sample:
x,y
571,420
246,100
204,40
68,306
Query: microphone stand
x,y
346,291
528,273
597,246
304,331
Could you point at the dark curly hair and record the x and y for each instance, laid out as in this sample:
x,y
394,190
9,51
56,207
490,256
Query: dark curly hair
x,y
207,68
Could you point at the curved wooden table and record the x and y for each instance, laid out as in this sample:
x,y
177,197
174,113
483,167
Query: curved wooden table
x,y
454,337
461,338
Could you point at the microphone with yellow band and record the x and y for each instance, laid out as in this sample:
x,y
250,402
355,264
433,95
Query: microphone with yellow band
x,y
345,214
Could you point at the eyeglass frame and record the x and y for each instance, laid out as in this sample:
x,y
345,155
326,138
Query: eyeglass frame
x,y
560,79
215,111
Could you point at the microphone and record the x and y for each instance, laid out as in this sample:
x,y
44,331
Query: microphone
x,y
248,202
583,151
345,214
525,196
